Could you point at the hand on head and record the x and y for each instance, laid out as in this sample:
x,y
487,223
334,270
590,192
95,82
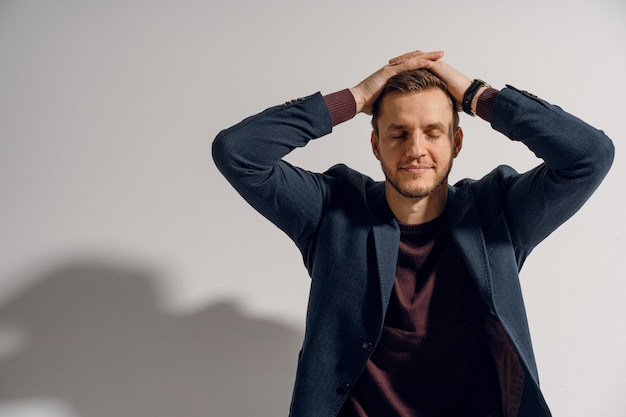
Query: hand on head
x,y
366,92
456,82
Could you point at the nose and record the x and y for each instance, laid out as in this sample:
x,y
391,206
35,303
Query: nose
x,y
415,146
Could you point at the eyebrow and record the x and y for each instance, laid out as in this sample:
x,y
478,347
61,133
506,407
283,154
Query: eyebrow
x,y
395,126
431,126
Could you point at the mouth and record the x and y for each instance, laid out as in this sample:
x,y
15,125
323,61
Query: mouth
x,y
415,169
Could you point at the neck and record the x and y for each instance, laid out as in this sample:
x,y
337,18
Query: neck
x,y
416,210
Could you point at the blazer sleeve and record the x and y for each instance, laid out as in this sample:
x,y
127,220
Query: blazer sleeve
x,y
576,159
249,154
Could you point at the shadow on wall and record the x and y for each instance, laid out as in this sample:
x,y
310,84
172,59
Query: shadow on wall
x,y
97,341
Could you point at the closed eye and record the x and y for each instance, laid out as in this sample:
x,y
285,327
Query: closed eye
x,y
435,130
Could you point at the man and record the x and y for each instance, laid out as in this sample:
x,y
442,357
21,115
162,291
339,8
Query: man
x,y
415,306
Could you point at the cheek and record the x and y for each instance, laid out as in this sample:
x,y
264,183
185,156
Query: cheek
x,y
444,152
389,154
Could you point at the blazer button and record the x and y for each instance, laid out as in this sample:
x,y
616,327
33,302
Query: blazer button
x,y
344,389
368,346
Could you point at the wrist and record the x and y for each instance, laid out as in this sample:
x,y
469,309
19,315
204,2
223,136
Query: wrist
x,y
486,102
474,104
471,95
341,105
356,98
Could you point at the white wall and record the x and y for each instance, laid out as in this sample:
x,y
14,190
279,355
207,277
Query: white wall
x,y
135,282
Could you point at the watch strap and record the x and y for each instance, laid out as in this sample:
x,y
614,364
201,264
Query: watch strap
x,y
468,97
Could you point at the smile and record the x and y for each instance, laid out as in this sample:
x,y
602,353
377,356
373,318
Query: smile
x,y
417,169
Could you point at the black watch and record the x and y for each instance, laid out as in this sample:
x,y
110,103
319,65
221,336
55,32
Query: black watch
x,y
468,97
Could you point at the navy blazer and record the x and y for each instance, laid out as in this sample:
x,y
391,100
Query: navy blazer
x,y
349,238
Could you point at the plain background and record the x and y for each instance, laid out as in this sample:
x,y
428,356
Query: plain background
x,y
135,282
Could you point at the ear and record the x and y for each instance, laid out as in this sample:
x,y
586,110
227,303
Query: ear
x,y
457,142
375,145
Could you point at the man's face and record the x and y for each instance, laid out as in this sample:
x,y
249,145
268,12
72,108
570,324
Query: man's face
x,y
416,142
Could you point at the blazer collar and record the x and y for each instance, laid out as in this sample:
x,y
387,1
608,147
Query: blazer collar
x,y
465,227
380,212
386,239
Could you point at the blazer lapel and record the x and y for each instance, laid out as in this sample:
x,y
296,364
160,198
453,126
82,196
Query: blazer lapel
x,y
465,228
386,240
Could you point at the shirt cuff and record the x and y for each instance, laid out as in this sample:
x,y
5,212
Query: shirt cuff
x,y
486,102
341,105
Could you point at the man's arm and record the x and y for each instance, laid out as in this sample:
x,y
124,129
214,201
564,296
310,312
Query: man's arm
x,y
250,153
576,156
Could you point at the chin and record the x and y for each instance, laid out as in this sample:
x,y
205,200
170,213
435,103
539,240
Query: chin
x,y
413,190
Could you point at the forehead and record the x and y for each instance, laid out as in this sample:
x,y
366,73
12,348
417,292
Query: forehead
x,y
416,108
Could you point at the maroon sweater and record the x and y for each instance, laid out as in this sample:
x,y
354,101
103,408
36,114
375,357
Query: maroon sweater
x,y
432,359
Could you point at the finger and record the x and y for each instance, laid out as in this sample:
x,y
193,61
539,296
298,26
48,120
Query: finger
x,y
409,64
430,56
406,55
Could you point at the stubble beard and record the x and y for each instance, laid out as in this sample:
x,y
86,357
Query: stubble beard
x,y
417,191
